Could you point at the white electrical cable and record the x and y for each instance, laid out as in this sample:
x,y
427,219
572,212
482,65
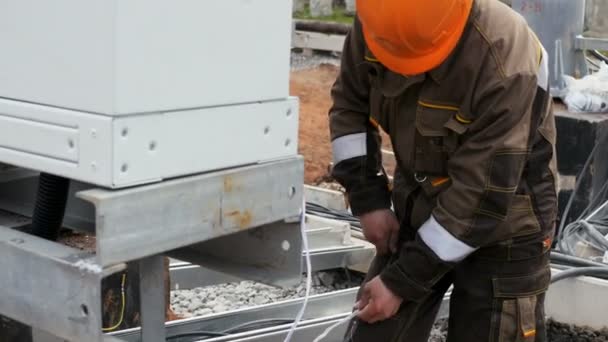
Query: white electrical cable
x,y
298,319
296,322
335,325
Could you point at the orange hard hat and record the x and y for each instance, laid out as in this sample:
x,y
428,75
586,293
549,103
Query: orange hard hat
x,y
413,36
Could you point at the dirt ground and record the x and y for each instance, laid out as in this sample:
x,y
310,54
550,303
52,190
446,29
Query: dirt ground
x,y
313,87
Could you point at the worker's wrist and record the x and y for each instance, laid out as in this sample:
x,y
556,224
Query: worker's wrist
x,y
403,286
417,270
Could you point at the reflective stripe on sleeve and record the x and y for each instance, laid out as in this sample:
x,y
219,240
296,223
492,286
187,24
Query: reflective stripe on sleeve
x,y
443,243
349,146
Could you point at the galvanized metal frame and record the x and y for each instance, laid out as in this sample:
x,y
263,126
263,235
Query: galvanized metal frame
x,y
588,43
329,304
53,287
141,224
322,311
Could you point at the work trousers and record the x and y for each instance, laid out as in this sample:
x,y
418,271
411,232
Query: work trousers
x,y
498,296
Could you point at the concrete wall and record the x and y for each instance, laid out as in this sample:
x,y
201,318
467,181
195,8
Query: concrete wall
x,y
596,17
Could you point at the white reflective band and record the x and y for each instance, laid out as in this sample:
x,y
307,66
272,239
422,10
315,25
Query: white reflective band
x,y
349,146
543,71
445,245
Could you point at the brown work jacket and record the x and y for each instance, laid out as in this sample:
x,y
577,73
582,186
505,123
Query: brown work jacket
x,y
474,140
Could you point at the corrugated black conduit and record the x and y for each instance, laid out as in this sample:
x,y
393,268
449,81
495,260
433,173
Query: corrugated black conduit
x,y
49,210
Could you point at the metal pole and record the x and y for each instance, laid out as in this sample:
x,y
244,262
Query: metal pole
x,y
152,298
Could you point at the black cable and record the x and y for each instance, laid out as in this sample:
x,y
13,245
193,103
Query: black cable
x,y
599,55
195,334
601,272
316,209
49,210
574,261
249,326
255,325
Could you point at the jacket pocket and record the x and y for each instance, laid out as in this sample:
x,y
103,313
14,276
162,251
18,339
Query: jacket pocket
x,y
516,302
520,221
438,135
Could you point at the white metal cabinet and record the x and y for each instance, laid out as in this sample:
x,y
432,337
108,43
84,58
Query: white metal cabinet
x,y
119,57
129,150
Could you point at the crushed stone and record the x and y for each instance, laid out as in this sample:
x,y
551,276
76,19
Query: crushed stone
x,y
204,301
556,332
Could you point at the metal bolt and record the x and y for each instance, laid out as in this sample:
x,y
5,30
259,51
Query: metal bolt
x,y
71,144
266,130
289,112
287,142
152,146
85,309
125,132
285,245
124,168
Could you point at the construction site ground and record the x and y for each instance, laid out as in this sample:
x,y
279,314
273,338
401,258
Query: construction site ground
x,y
311,81
313,86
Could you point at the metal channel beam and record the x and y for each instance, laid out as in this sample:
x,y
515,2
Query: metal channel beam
x,y
269,254
336,303
139,222
331,199
321,310
307,331
341,258
586,43
50,286
188,276
330,244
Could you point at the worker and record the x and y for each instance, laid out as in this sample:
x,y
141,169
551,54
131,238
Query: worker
x,y
461,89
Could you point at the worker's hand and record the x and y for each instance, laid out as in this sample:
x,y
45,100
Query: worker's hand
x,y
377,302
381,228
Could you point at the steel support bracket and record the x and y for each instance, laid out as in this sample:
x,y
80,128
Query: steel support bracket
x,y
50,286
586,43
148,220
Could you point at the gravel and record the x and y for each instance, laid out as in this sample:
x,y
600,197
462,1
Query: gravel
x,y
204,301
302,61
439,333
557,332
